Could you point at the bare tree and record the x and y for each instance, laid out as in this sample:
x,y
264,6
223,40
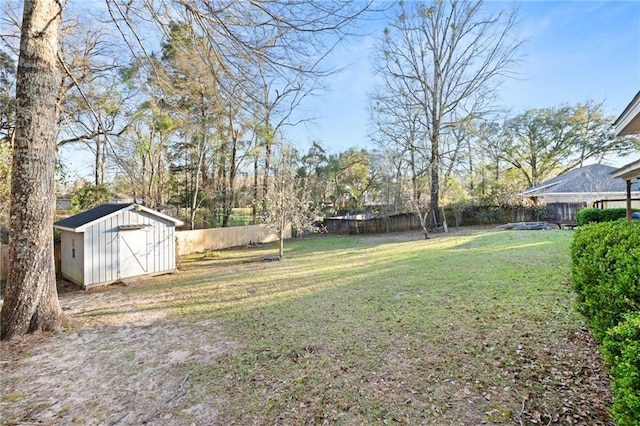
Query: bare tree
x,y
400,130
288,200
88,98
390,195
270,52
277,100
446,58
31,300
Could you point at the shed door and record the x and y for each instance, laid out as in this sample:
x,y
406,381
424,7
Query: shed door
x,y
133,253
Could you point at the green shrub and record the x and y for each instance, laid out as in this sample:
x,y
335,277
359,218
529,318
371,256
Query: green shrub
x,y
593,215
621,349
589,215
89,196
606,272
609,215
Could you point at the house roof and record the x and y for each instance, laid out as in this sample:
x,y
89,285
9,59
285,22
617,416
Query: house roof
x,y
595,178
80,221
628,171
629,121
627,124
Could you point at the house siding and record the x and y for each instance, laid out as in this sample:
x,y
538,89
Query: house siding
x,y
587,197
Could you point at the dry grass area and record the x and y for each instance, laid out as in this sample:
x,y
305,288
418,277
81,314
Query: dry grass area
x,y
468,328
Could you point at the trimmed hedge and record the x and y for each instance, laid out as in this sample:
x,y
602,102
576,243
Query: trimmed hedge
x,y
589,215
592,215
606,272
606,277
621,349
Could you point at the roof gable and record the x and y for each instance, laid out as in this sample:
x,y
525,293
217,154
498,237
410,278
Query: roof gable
x,y
80,221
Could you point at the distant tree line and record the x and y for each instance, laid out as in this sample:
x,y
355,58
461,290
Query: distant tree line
x,y
188,103
195,123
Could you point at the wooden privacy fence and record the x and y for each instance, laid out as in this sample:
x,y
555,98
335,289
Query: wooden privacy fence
x,y
189,242
393,223
563,212
466,216
409,221
200,240
616,203
490,215
221,238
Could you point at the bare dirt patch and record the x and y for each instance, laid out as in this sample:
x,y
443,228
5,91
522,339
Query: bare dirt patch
x,y
125,367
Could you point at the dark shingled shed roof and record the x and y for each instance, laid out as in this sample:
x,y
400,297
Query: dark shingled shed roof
x,y
90,215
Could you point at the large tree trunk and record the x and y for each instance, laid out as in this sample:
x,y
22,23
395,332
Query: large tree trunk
x,y
233,169
281,236
31,300
434,205
265,173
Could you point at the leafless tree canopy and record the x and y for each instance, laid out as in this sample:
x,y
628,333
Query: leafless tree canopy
x,y
441,62
284,35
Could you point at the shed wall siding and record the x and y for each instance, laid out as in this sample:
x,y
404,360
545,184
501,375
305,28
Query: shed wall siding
x,y
162,247
101,251
71,266
160,241
105,247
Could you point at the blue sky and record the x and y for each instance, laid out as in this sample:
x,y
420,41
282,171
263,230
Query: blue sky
x,y
576,51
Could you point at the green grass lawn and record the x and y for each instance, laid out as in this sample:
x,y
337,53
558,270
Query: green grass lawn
x,y
463,329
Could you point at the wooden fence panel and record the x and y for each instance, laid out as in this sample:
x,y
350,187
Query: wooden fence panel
x,y
563,212
200,240
469,216
394,223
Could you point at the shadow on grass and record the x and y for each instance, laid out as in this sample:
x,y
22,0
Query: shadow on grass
x,y
239,280
460,329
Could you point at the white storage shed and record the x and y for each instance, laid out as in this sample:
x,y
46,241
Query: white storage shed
x,y
115,241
